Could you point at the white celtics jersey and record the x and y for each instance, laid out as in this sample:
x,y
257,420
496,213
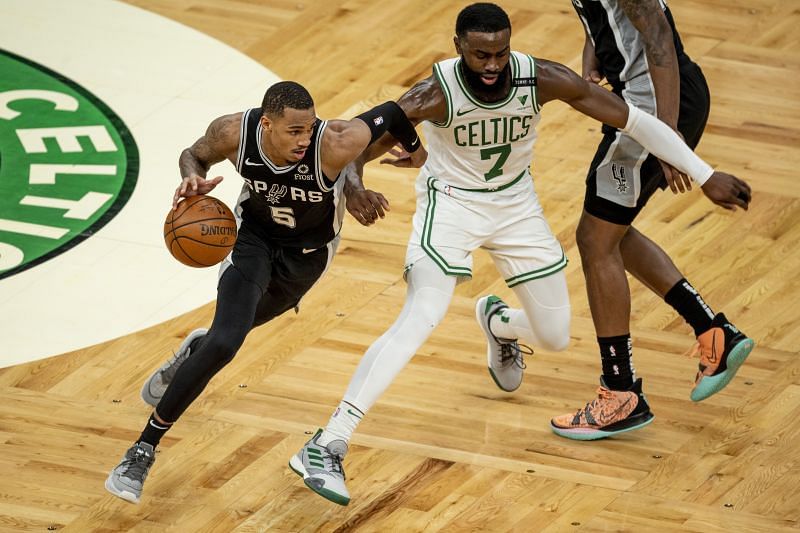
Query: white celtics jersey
x,y
483,146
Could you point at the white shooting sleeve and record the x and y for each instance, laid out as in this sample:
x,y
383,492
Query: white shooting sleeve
x,y
665,144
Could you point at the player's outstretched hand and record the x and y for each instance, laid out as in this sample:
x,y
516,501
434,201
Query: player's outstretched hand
x,y
192,186
727,191
367,206
404,159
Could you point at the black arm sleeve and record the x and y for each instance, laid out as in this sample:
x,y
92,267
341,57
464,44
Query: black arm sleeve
x,y
390,117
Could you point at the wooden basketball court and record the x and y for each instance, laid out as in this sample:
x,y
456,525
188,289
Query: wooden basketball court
x,y
444,449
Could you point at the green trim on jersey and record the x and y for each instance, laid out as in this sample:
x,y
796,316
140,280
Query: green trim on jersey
x,y
534,88
437,71
474,99
539,272
425,240
495,189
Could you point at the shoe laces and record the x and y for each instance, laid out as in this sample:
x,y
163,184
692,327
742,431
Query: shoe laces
x,y
513,351
136,466
335,462
603,395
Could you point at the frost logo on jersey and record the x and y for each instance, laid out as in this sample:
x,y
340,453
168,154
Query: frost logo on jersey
x,y
276,192
618,171
68,166
303,174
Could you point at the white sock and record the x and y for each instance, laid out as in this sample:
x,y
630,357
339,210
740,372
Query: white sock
x,y
342,424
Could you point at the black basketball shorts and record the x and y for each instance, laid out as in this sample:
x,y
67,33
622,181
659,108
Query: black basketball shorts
x,y
623,175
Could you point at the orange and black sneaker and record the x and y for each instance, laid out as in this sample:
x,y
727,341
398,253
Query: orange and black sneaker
x,y
610,413
722,350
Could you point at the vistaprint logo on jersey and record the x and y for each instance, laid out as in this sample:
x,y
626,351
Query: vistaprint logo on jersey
x,y
68,164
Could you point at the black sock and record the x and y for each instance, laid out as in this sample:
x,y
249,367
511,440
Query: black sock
x,y
153,431
616,354
691,306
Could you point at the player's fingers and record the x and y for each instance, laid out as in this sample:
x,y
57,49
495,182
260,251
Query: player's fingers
x,y
384,202
376,206
686,180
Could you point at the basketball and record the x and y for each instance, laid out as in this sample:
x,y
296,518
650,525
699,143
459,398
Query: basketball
x,y
200,232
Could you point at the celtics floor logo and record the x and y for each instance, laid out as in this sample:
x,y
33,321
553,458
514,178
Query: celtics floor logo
x,y
68,164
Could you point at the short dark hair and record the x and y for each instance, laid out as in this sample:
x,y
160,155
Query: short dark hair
x,y
482,17
285,94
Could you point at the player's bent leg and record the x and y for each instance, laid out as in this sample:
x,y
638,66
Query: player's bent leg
x,y
544,322
319,462
648,262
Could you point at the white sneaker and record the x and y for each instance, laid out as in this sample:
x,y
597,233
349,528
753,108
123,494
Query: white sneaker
x,y
504,356
154,387
321,468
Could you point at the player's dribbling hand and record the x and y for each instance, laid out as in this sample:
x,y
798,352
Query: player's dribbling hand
x,y
192,186
405,160
727,191
366,206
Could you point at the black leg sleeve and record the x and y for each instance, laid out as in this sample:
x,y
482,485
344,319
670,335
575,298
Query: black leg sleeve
x,y
237,300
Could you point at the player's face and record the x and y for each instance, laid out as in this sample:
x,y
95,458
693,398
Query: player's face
x,y
486,56
290,134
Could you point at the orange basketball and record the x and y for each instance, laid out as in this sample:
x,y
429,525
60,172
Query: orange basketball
x,y
200,232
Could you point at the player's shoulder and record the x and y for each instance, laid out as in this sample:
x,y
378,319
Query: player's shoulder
x,y
225,130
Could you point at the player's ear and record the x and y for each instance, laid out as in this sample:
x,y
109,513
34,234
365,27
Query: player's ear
x,y
458,44
266,123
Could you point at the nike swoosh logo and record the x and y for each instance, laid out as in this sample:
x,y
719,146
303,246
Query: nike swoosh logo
x,y
251,164
309,250
157,426
350,411
461,111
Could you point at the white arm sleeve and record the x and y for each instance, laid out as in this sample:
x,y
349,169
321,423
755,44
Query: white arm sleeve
x,y
665,144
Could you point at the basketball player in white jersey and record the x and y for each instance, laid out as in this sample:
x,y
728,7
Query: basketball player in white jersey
x,y
479,113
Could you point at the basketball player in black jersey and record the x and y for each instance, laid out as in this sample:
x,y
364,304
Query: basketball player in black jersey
x,y
290,212
635,46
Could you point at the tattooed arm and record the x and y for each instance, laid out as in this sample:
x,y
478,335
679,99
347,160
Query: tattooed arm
x,y
221,141
651,22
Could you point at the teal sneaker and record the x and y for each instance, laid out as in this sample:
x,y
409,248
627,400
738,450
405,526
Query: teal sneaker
x,y
722,349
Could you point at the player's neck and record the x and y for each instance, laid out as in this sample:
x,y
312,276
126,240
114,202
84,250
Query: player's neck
x,y
272,153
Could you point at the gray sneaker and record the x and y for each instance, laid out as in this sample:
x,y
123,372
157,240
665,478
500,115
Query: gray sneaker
x,y
321,468
127,479
505,356
153,389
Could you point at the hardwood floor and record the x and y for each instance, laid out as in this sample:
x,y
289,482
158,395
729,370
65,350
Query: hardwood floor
x,y
444,449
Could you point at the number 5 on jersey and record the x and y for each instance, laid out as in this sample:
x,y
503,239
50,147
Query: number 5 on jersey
x,y
283,216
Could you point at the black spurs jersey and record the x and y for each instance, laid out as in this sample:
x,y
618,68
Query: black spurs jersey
x,y
617,44
293,205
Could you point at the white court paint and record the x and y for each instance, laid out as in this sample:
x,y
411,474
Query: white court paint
x,y
166,82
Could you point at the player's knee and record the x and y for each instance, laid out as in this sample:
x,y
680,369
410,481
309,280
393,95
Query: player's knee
x,y
555,336
556,341
222,348
430,307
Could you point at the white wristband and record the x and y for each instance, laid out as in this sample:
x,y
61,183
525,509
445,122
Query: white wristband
x,y
662,142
